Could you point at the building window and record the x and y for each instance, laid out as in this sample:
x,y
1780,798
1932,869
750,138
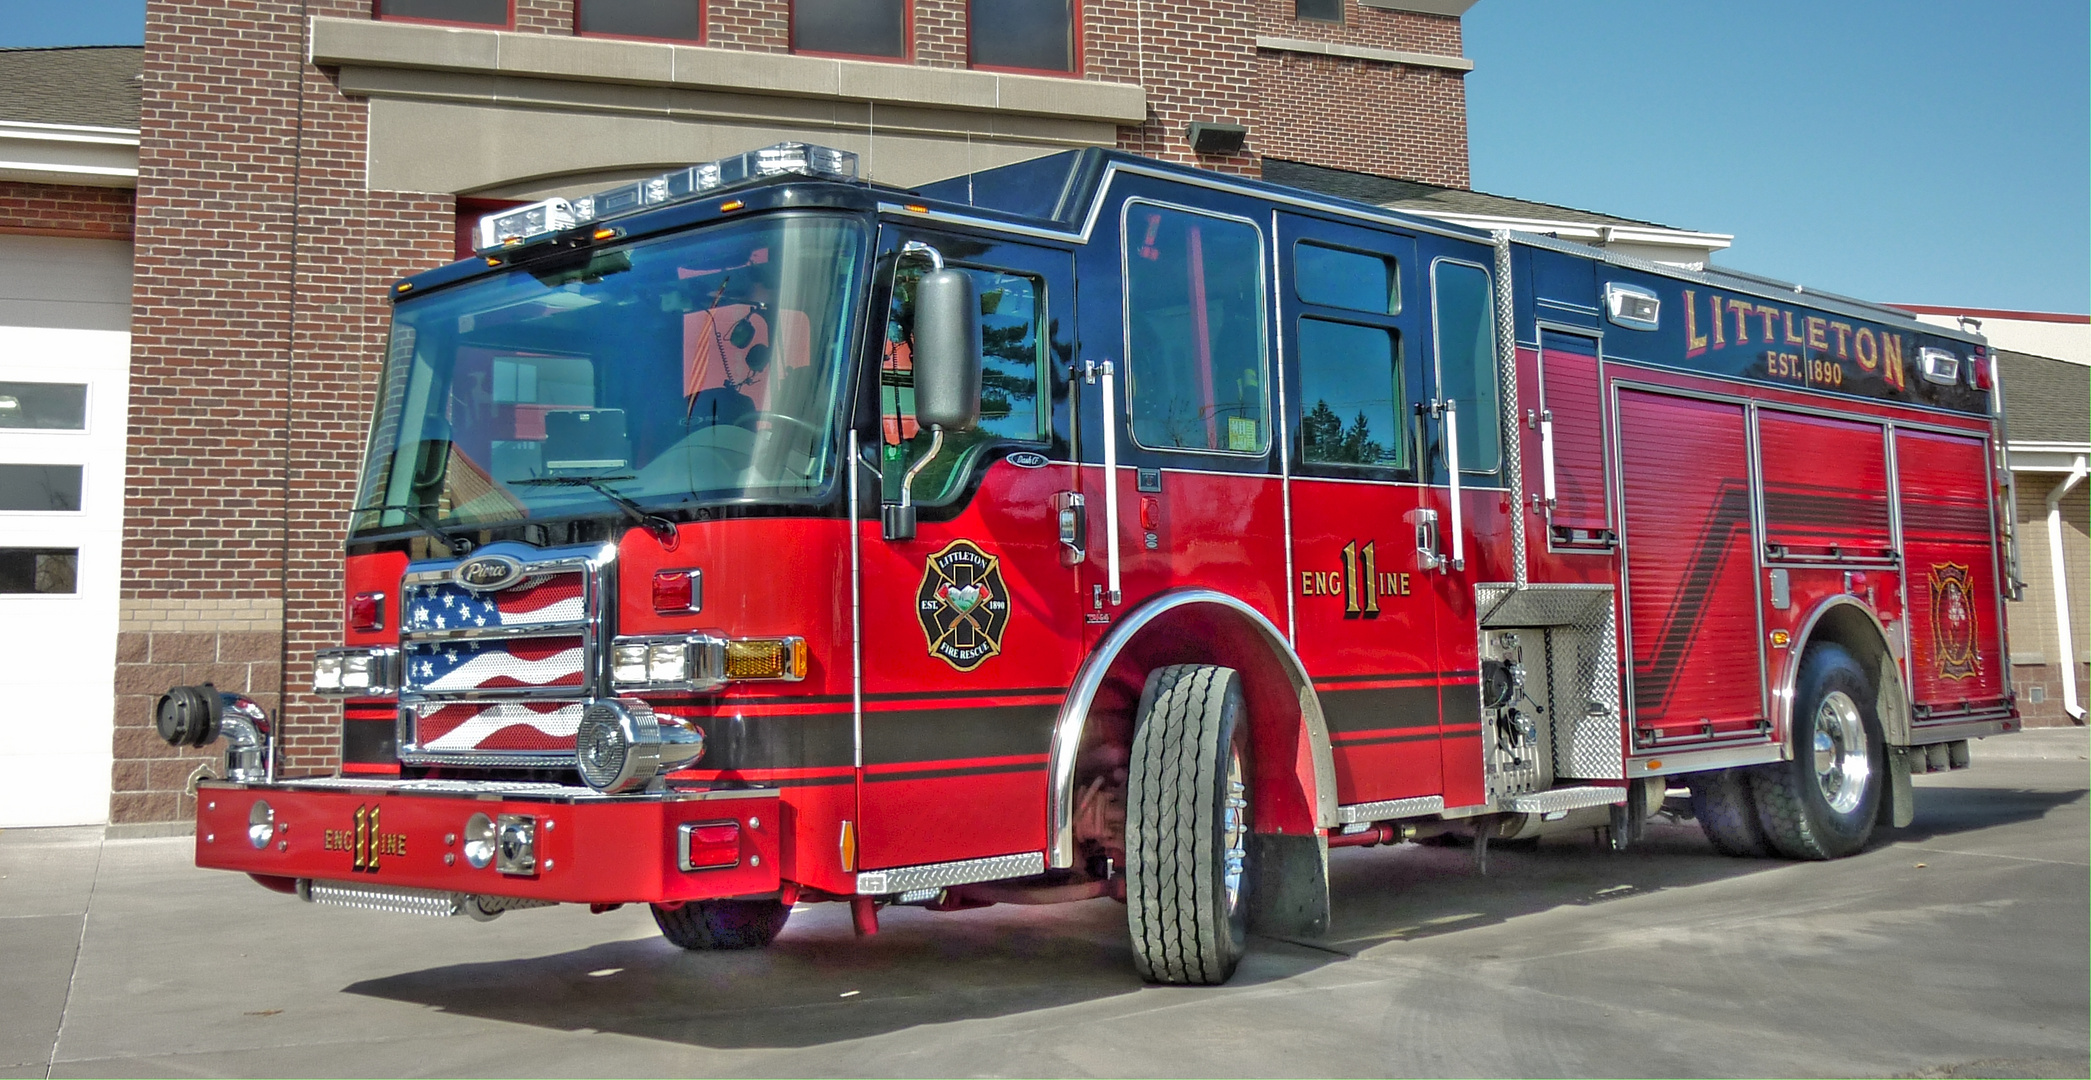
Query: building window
x,y
39,570
852,27
667,20
1030,35
1318,10
1195,357
1466,334
43,406
40,487
476,12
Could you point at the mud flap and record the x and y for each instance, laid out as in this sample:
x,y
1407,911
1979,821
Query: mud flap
x,y
1898,804
1290,894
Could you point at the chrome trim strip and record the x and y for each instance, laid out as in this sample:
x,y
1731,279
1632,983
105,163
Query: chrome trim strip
x,y
856,607
570,628
963,872
1957,729
1390,809
1074,713
1284,409
1720,757
486,790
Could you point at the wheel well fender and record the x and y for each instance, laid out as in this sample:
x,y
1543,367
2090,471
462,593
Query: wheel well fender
x,y
1845,622
1294,773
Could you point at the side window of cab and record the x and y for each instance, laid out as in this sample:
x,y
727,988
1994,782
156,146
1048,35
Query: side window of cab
x,y
1014,404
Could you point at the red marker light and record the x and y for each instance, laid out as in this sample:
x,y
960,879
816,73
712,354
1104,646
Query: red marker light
x,y
676,591
1978,370
366,611
713,844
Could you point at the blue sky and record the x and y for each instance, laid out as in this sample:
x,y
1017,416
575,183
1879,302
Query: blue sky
x,y
1922,151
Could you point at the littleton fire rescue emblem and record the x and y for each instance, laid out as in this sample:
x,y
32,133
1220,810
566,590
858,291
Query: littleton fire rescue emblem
x,y
1953,621
366,843
963,605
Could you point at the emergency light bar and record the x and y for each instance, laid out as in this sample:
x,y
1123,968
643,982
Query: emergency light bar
x,y
525,223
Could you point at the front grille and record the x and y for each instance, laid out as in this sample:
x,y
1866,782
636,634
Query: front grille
x,y
497,679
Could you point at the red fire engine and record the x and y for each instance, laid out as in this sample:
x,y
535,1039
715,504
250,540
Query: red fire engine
x,y
1096,527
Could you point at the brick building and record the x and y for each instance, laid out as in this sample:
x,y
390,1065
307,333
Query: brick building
x,y
295,156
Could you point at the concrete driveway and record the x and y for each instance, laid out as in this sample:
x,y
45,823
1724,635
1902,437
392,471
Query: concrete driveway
x,y
1956,947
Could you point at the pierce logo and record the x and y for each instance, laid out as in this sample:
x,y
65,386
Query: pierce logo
x,y
366,842
963,605
488,573
1953,622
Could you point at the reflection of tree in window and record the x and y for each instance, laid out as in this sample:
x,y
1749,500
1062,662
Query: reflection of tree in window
x,y
1329,441
1011,362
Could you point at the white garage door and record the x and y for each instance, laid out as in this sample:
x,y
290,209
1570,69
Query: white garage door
x,y
64,374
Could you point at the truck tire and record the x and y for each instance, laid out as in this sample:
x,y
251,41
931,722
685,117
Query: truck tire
x,y
1187,827
1727,813
1821,805
722,924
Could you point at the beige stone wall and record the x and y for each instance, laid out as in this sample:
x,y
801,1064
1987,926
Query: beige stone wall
x,y
2035,648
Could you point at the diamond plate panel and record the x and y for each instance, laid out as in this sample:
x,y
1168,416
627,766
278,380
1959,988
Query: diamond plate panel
x,y
938,875
1578,676
1563,798
391,900
1390,809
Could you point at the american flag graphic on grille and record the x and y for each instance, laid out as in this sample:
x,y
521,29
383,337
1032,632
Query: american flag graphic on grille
x,y
543,727
553,598
454,665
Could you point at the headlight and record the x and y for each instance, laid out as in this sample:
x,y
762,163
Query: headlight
x,y
704,661
261,824
326,674
622,745
356,672
479,841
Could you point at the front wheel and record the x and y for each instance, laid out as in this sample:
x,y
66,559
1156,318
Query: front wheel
x,y
722,924
1187,826
1822,804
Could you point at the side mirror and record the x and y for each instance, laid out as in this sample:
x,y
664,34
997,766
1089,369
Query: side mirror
x,y
947,350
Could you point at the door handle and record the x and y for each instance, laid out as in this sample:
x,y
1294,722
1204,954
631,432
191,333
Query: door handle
x,y
1071,510
1427,557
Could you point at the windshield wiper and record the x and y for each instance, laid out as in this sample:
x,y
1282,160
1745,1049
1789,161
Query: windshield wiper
x,y
457,545
661,528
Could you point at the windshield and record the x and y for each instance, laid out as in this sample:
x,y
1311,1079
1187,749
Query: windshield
x,y
697,367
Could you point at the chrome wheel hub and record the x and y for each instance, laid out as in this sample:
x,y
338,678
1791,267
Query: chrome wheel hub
x,y
1842,764
1234,830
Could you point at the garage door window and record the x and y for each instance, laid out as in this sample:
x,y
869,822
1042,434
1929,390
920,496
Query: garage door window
x,y
28,406
39,570
40,487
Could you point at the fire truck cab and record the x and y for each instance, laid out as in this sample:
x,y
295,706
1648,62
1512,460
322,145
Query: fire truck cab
x,y
1098,527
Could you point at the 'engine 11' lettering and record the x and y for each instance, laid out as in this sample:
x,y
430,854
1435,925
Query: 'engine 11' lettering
x,y
1361,582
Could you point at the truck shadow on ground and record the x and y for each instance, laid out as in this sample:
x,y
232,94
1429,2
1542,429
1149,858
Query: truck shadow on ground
x,y
819,984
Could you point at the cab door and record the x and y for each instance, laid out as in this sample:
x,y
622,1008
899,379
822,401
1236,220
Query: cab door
x,y
1460,415
971,626
1363,613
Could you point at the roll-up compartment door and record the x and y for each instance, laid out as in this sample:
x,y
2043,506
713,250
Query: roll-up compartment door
x,y
1691,583
1825,488
1950,570
1574,439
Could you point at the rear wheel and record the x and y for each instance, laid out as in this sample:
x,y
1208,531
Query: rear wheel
x,y
1187,826
1821,805
1727,813
722,924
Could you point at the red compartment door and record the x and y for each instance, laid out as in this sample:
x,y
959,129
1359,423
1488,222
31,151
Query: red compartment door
x,y
1691,588
1950,565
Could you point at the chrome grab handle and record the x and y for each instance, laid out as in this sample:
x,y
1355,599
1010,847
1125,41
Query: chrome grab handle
x,y
1092,372
1427,557
1459,550
1073,514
